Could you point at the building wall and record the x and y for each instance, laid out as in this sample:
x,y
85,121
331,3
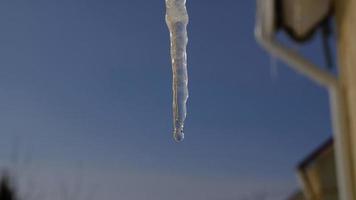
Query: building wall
x,y
346,36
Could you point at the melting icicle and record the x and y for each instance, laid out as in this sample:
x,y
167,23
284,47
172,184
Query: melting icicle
x,y
177,21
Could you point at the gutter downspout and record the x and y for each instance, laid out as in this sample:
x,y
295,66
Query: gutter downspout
x,y
264,34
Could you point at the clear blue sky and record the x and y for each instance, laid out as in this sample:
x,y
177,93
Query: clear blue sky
x,y
88,83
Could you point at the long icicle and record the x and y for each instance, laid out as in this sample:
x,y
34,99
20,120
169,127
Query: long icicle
x,y
177,21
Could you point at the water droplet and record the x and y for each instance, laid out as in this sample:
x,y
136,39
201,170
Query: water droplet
x,y
178,135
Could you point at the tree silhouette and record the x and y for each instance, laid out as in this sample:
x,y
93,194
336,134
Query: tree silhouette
x,y
6,191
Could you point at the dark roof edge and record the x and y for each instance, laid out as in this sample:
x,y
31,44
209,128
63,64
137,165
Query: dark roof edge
x,y
291,33
311,157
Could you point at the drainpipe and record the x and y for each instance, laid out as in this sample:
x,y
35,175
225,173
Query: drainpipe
x,y
265,35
